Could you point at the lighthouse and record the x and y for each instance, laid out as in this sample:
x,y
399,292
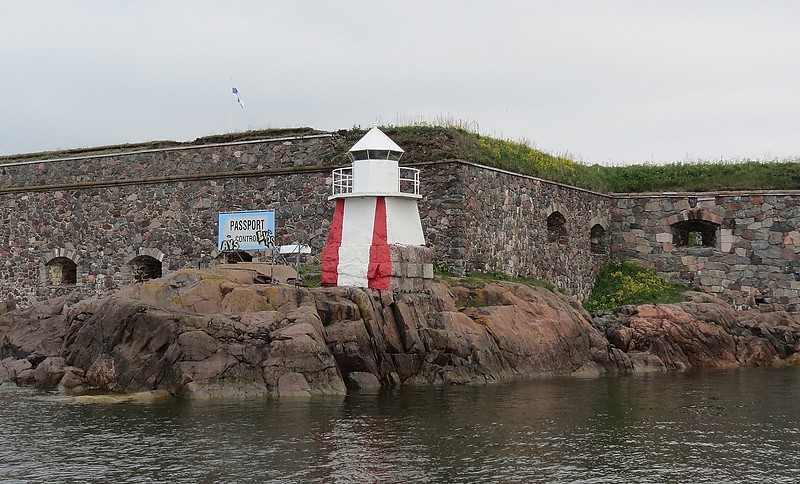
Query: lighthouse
x,y
376,237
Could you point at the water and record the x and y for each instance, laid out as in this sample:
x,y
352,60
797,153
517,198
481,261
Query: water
x,y
713,426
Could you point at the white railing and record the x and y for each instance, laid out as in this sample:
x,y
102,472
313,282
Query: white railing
x,y
342,183
409,180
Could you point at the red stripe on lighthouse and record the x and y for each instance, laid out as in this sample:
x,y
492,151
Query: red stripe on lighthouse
x,y
379,273
330,253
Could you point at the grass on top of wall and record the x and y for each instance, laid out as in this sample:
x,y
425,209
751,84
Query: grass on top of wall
x,y
697,176
423,143
702,176
620,283
432,143
232,137
457,140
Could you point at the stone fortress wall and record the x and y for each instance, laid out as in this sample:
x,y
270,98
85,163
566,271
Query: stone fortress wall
x,y
105,214
92,224
480,219
742,247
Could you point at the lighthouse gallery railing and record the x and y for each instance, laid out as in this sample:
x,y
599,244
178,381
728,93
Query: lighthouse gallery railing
x,y
408,181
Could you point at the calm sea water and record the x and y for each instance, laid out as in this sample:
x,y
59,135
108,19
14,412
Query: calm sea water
x,y
712,426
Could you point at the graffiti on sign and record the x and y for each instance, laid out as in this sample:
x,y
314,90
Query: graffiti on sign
x,y
265,237
228,245
246,230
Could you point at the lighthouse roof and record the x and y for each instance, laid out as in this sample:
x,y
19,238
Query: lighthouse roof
x,y
375,139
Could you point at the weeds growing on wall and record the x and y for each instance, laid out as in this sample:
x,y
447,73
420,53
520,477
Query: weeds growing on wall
x,y
424,142
525,159
250,135
447,138
624,282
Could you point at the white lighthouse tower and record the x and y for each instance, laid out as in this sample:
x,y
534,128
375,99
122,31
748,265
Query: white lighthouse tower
x,y
376,236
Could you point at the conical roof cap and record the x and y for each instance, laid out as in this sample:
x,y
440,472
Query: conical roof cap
x,y
375,139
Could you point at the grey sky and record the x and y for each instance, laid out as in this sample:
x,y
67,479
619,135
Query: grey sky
x,y
608,81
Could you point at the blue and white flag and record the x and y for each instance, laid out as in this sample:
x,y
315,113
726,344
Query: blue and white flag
x,y
238,97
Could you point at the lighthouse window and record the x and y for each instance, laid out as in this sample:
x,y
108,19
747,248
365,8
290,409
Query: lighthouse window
x,y
395,155
358,155
379,154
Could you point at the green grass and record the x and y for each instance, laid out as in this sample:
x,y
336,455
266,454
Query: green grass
x,y
90,151
154,145
424,143
476,280
624,282
420,143
702,176
459,141
310,274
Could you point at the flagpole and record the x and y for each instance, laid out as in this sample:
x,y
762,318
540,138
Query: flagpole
x,y
230,114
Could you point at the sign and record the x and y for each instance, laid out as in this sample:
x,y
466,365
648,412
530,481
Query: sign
x,y
246,231
294,249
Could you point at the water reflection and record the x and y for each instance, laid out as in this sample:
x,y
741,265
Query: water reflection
x,y
717,426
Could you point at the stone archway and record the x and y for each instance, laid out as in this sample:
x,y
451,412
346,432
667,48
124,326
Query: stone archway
x,y
146,265
235,257
61,271
144,268
60,268
598,239
695,228
557,228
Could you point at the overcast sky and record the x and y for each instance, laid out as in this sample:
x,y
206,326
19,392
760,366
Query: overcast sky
x,y
607,81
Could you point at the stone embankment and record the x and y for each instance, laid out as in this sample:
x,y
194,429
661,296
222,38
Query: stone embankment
x,y
224,333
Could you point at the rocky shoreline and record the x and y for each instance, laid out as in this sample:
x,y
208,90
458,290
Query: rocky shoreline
x,y
225,333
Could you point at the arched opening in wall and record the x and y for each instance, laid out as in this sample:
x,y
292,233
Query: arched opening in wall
x,y
557,228
598,239
235,257
62,271
145,268
695,233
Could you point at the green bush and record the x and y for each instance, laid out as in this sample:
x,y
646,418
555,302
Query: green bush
x,y
623,282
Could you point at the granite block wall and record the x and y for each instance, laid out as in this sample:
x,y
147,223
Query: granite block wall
x,y
100,213
484,219
745,248
82,224
106,227
180,162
